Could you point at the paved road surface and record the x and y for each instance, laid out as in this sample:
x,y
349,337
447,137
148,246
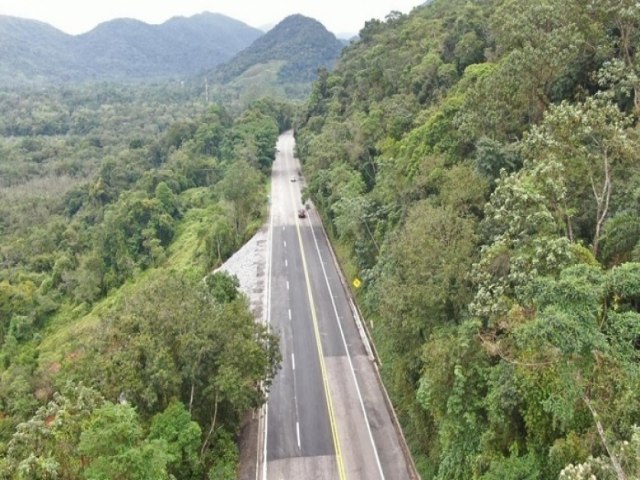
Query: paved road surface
x,y
326,416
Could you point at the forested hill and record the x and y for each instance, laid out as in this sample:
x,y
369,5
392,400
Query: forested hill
x,y
32,51
121,354
300,45
477,163
121,49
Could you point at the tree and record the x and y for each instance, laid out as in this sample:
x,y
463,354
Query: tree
x,y
223,287
182,436
219,239
46,446
167,199
560,196
622,73
601,468
591,142
523,226
420,289
242,187
115,449
581,344
176,340
621,237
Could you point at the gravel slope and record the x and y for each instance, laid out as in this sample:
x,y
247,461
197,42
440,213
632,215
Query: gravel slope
x,y
248,264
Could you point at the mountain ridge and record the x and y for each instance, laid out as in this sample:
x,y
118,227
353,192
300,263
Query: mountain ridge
x,y
35,52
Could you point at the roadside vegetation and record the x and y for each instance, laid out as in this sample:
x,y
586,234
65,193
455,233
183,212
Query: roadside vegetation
x,y
119,356
478,165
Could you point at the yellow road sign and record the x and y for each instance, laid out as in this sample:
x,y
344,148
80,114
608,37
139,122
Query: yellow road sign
x,y
357,283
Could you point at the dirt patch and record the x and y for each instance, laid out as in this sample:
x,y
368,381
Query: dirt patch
x,y
248,445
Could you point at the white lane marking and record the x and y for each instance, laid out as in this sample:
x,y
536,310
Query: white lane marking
x,y
285,244
346,347
289,314
286,262
287,284
295,398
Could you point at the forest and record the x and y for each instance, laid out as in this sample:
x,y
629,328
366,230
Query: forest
x,y
121,357
477,166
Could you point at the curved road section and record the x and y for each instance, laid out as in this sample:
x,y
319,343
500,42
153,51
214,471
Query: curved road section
x,y
326,416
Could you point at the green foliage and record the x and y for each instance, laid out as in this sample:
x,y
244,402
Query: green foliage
x,y
600,467
450,390
243,188
182,436
514,468
422,281
113,442
621,237
46,446
226,455
506,327
174,340
223,287
92,265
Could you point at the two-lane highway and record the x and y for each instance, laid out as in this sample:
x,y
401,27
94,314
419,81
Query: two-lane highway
x,y
326,417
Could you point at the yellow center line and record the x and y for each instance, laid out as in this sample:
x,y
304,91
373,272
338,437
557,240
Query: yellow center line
x,y
323,369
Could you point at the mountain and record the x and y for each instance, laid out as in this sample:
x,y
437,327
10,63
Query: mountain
x,y
181,46
31,50
300,45
122,49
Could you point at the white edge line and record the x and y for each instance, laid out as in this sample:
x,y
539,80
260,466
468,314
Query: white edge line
x,y
298,433
344,341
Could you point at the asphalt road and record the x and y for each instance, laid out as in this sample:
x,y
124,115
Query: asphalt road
x,y
326,417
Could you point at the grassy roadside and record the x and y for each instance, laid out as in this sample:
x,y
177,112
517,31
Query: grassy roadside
x,y
71,327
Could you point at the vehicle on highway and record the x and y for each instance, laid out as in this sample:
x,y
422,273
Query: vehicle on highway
x,y
293,179
302,213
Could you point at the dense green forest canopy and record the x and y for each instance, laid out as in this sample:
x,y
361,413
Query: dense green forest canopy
x,y
478,164
117,360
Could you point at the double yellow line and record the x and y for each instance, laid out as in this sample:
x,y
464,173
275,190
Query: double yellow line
x,y
323,368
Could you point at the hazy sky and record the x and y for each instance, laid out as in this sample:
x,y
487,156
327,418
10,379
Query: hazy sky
x,y
78,16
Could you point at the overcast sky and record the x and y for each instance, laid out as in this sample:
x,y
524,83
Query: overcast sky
x,y
78,16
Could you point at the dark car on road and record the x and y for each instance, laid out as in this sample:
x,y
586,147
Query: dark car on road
x,y
302,213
